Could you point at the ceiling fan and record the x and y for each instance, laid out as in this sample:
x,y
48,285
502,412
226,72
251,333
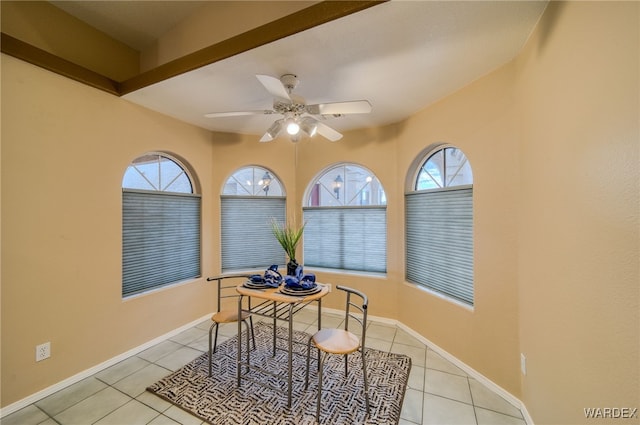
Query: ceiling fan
x,y
298,118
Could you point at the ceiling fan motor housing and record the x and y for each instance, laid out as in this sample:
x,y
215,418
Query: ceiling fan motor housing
x,y
289,81
285,108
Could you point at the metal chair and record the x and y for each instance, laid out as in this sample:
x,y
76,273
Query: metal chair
x,y
227,290
341,341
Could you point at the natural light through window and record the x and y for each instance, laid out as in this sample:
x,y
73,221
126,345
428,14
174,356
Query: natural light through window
x,y
445,168
160,224
252,197
439,224
157,173
253,181
346,220
346,185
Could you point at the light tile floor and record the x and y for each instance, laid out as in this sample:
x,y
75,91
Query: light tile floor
x,y
438,392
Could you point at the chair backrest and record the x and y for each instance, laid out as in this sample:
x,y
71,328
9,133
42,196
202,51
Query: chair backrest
x,y
226,287
356,309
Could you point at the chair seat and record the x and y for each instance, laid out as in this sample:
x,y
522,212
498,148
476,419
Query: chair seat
x,y
228,316
336,341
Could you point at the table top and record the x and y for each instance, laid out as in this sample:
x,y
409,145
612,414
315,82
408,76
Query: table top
x,y
272,294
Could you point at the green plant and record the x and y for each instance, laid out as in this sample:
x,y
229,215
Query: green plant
x,y
288,236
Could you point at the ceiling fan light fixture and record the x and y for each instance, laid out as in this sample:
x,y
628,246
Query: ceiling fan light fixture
x,y
272,132
293,127
275,128
309,126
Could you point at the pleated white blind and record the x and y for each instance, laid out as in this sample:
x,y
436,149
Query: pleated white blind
x,y
160,239
347,238
439,241
247,240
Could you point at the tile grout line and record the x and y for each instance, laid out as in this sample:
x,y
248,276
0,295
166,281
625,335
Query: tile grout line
x,y
475,414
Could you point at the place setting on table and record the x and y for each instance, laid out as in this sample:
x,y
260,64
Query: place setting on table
x,y
300,285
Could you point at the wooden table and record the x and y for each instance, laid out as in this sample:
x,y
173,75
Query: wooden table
x,y
278,306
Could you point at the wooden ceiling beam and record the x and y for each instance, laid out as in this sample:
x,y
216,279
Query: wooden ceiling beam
x,y
36,56
302,20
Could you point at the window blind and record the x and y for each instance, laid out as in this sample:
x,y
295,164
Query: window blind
x,y
439,241
247,239
160,239
348,238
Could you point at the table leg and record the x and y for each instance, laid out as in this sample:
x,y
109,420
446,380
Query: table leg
x,y
239,359
290,371
319,327
275,322
319,313
248,348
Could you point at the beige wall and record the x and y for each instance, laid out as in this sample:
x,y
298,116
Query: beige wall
x,y
46,27
480,120
65,147
578,271
212,23
553,141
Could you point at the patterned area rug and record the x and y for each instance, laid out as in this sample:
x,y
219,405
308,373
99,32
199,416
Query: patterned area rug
x,y
218,400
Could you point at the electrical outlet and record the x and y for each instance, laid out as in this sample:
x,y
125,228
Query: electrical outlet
x,y
43,351
523,364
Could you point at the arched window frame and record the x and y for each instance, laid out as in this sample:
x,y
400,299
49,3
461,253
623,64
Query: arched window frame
x,y
345,220
253,181
439,224
161,224
252,196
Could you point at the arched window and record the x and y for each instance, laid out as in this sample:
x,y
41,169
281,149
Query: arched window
x,y
346,220
447,167
160,224
252,196
253,181
439,224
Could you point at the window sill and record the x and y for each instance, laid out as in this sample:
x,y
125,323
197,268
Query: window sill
x,y
348,272
441,296
282,269
161,288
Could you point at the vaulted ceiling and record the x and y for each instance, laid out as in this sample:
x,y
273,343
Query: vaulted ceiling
x,y
400,55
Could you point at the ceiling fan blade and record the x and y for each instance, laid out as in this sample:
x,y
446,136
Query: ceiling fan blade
x,y
328,132
340,108
274,86
238,113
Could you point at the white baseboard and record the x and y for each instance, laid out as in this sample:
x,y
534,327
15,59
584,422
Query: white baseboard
x,y
91,371
471,372
454,360
525,413
14,407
